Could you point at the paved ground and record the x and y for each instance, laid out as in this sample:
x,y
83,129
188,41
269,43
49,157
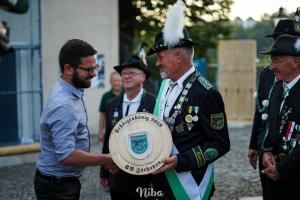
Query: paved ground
x,y
233,176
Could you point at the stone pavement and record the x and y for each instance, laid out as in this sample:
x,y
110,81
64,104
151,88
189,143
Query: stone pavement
x,y
234,178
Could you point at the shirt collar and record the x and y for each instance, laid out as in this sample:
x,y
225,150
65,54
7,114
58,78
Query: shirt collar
x,y
70,88
293,82
136,99
184,76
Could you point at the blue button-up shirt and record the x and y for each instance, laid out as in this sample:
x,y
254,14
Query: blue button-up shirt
x,y
63,129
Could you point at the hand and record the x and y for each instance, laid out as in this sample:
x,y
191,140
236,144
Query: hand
x,y
169,163
101,136
252,156
268,159
104,182
109,164
271,172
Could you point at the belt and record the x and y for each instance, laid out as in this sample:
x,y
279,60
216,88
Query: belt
x,y
63,178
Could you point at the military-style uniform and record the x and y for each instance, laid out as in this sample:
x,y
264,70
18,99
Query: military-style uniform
x,y
282,139
123,182
266,84
266,81
199,133
264,90
282,128
196,119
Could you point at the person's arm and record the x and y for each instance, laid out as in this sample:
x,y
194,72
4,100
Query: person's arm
x,y
288,167
84,159
101,130
258,124
63,122
104,173
215,142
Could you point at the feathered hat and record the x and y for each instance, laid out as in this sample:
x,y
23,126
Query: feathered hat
x,y
173,34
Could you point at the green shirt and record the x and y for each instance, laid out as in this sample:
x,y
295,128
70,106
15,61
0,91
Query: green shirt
x,y
105,98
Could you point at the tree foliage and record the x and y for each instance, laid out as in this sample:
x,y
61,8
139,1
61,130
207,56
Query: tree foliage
x,y
258,32
206,20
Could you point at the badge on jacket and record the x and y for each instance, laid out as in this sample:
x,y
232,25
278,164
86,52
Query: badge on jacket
x,y
217,121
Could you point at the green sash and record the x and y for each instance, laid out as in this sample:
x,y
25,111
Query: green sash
x,y
172,178
171,175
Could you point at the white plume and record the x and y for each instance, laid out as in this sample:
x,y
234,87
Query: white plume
x,y
173,29
297,45
142,56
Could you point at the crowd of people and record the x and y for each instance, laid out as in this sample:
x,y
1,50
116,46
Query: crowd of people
x,y
192,108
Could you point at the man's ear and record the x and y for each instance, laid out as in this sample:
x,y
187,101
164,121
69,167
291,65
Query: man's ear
x,y
297,61
68,69
178,56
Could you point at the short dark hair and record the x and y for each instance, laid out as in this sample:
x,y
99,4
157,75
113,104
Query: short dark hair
x,y
72,51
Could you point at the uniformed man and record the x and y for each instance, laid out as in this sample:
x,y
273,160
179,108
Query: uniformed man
x,y
266,83
279,143
194,112
135,99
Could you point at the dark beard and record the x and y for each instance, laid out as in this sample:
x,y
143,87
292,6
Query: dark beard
x,y
79,82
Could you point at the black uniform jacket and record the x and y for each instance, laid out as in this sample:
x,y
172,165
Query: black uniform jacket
x,y
122,181
266,80
281,124
203,140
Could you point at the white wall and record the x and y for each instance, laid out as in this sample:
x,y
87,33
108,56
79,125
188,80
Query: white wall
x,y
95,21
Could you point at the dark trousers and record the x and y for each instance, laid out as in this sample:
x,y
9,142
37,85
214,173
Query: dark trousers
x,y
282,189
263,178
53,188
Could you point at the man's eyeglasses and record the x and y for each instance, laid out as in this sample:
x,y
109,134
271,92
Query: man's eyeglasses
x,y
89,69
279,60
130,74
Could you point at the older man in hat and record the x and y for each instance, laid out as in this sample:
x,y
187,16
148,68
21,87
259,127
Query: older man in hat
x,y
280,142
194,111
267,81
135,99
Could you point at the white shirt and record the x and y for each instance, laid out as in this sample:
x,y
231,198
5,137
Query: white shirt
x,y
133,104
172,94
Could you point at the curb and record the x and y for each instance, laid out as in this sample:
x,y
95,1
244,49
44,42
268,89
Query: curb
x,y
19,149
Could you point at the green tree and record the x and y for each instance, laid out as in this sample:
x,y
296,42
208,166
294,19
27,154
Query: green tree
x,y
206,20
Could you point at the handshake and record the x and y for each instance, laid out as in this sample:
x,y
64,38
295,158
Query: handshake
x,y
108,163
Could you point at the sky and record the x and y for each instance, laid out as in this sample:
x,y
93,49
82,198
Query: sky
x,y
256,8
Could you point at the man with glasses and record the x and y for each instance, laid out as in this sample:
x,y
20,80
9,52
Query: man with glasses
x,y
64,136
280,141
266,84
134,73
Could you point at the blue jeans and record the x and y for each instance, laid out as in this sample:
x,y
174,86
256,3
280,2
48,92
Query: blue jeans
x,y
53,188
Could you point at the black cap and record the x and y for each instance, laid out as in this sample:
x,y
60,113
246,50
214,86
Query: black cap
x,y
136,62
285,26
160,45
285,45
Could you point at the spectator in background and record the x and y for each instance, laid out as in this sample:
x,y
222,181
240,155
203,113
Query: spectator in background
x,y
116,88
134,73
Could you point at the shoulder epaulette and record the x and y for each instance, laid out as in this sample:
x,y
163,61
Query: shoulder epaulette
x,y
207,85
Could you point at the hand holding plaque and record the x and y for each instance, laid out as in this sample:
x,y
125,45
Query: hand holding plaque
x,y
139,143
